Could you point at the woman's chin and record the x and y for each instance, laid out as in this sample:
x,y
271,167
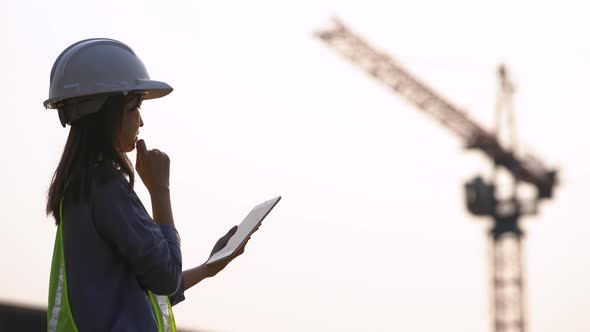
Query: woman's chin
x,y
128,149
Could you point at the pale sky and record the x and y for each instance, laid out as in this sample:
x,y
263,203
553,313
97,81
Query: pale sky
x,y
372,233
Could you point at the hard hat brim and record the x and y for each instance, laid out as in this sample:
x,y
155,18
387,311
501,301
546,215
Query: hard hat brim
x,y
157,89
150,88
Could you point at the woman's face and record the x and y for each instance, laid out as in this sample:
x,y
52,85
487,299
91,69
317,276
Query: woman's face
x,y
130,123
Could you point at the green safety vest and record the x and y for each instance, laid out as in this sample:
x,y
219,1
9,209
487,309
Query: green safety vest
x,y
59,315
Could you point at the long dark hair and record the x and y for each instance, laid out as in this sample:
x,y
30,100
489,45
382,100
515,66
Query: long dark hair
x,y
92,142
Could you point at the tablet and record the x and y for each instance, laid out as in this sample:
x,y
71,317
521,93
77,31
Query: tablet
x,y
245,229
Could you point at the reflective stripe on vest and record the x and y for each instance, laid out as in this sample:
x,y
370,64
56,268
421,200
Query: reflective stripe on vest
x,y
163,311
57,302
59,315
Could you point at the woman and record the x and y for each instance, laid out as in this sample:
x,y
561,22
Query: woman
x,y
114,267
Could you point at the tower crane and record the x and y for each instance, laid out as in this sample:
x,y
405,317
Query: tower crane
x,y
482,200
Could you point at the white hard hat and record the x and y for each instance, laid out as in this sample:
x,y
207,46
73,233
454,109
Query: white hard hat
x,y
98,67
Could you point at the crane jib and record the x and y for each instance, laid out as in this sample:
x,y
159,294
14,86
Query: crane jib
x,y
386,70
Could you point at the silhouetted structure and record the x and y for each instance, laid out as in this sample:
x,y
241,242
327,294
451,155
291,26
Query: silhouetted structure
x,y
17,317
506,235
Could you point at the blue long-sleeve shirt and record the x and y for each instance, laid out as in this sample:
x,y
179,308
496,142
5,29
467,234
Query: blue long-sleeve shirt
x,y
114,252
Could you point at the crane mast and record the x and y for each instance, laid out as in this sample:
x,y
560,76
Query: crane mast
x,y
505,235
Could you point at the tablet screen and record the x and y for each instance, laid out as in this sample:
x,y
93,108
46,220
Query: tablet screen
x,y
245,229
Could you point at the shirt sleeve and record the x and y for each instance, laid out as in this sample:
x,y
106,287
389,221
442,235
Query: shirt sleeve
x,y
178,296
171,236
152,251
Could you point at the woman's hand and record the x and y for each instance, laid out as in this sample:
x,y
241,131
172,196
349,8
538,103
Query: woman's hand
x,y
214,268
195,275
153,167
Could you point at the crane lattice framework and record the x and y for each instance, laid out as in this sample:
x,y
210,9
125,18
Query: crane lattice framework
x,y
505,235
